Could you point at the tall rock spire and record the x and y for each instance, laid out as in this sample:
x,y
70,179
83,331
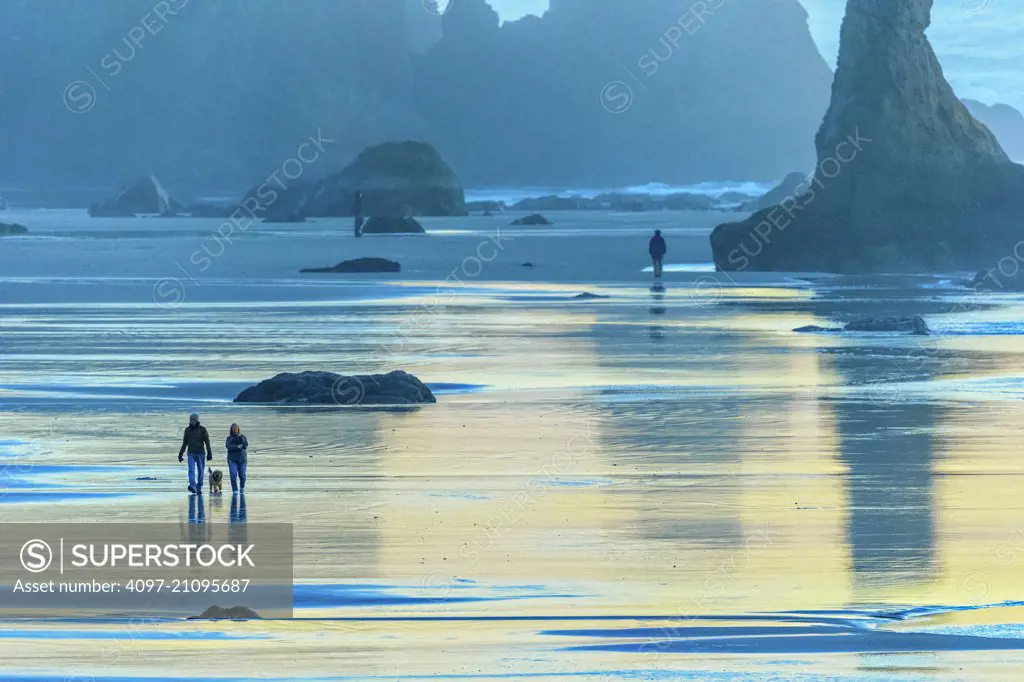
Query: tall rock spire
x,y
907,179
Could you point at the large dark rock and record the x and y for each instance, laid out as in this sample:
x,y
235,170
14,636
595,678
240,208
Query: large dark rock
x,y
396,179
915,325
388,225
231,613
7,229
532,219
145,195
361,265
907,180
327,388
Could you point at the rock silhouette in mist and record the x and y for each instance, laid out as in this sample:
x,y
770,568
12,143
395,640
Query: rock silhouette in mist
x,y
907,180
146,195
360,265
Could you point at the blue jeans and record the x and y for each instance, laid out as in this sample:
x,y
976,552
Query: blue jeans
x,y
196,465
236,467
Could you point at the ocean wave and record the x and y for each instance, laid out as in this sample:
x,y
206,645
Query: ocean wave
x,y
511,195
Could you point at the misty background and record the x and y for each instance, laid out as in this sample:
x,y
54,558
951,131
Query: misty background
x,y
212,97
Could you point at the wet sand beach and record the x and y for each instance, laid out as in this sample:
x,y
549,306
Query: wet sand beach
x,y
661,483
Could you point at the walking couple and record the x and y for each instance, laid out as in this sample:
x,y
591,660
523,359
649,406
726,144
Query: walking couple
x,y
196,442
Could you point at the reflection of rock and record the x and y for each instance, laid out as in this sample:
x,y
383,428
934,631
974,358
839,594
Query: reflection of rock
x,y
390,225
915,325
534,219
907,180
361,265
327,388
790,186
145,195
888,450
12,228
230,613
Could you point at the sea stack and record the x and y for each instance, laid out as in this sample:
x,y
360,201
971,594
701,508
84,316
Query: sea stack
x,y
906,181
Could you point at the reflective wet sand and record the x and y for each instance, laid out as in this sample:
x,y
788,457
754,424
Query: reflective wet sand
x,y
665,483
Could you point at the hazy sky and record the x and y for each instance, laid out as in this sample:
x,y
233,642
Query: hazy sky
x,y
976,40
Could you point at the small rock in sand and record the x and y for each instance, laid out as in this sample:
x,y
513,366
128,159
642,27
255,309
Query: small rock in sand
x,y
231,613
587,296
915,325
361,265
534,219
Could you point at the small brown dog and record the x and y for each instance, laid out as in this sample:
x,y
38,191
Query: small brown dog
x,y
216,480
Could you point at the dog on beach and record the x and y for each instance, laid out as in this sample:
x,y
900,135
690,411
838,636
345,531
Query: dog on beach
x,y
216,479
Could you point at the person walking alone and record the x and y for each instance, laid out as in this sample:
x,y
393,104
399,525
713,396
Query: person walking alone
x,y
196,440
657,248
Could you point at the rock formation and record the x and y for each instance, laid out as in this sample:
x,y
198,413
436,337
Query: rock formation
x,y
396,179
735,94
327,388
1005,122
612,93
532,219
145,195
915,325
907,180
7,229
222,104
360,265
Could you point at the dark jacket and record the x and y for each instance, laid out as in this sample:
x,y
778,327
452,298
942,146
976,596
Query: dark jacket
x,y
195,440
237,446
357,205
657,247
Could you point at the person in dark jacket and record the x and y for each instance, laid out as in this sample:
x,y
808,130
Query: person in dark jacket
x,y
238,455
657,248
357,214
195,441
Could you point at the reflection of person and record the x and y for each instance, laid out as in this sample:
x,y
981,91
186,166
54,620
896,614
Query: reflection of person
x,y
196,511
238,513
657,248
357,214
195,440
238,454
